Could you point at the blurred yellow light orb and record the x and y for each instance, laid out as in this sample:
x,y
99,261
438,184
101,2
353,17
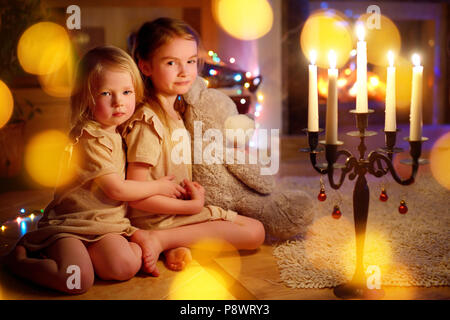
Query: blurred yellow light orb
x,y
403,80
245,20
381,40
43,48
60,83
439,158
46,160
325,31
198,283
6,104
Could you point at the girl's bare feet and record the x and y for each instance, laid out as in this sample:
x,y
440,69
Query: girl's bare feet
x,y
151,248
178,258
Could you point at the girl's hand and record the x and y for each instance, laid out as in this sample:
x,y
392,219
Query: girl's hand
x,y
199,187
195,191
168,188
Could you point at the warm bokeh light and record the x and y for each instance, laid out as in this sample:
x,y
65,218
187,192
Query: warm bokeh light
x,y
198,283
60,83
6,104
341,254
403,75
439,159
374,81
377,252
245,20
325,31
380,40
341,82
202,279
322,86
43,48
46,160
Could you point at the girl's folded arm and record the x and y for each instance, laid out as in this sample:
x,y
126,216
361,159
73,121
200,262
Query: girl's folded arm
x,y
164,205
126,190
159,204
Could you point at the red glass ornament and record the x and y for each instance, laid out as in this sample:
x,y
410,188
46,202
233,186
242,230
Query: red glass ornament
x,y
383,196
336,212
403,208
322,195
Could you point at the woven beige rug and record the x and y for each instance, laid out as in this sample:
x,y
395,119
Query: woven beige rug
x,y
408,249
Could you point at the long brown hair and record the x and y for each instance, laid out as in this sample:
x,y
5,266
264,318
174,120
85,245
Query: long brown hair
x,y
150,37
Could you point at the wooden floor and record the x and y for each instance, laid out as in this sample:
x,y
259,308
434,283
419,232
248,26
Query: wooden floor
x,y
238,275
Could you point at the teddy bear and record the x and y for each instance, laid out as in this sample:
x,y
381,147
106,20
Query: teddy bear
x,y
234,185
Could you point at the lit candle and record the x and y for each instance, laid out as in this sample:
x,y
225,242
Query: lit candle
x,y
313,107
415,116
332,99
390,117
361,71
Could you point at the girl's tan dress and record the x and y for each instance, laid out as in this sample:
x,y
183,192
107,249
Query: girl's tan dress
x,y
149,141
80,209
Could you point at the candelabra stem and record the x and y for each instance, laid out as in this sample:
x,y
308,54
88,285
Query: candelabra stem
x,y
360,214
357,287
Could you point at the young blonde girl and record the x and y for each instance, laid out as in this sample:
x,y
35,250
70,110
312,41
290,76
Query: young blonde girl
x,y
167,54
84,230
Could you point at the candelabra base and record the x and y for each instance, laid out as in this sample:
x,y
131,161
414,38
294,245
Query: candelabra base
x,y
357,291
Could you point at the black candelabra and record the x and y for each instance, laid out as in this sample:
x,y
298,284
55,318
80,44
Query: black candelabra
x,y
378,163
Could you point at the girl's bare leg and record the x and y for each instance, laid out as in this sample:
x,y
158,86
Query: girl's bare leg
x,y
67,258
178,258
114,258
243,233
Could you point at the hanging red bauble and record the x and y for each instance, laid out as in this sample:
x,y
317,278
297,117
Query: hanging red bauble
x,y
322,195
383,196
336,212
403,208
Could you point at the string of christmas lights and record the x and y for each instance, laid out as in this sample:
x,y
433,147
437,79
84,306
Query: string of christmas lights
x,y
218,75
21,219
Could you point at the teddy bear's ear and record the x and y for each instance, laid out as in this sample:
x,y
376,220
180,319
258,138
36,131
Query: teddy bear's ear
x,y
193,95
239,122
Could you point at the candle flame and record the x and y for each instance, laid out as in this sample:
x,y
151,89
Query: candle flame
x,y
360,32
391,58
416,59
332,59
313,56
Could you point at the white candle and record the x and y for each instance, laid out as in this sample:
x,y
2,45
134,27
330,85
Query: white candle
x,y
313,106
331,129
415,116
361,71
390,117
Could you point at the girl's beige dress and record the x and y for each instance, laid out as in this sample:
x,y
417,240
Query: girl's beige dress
x,y
149,141
80,209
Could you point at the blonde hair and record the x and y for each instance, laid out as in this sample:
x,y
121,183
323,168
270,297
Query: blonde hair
x,y
150,37
93,63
